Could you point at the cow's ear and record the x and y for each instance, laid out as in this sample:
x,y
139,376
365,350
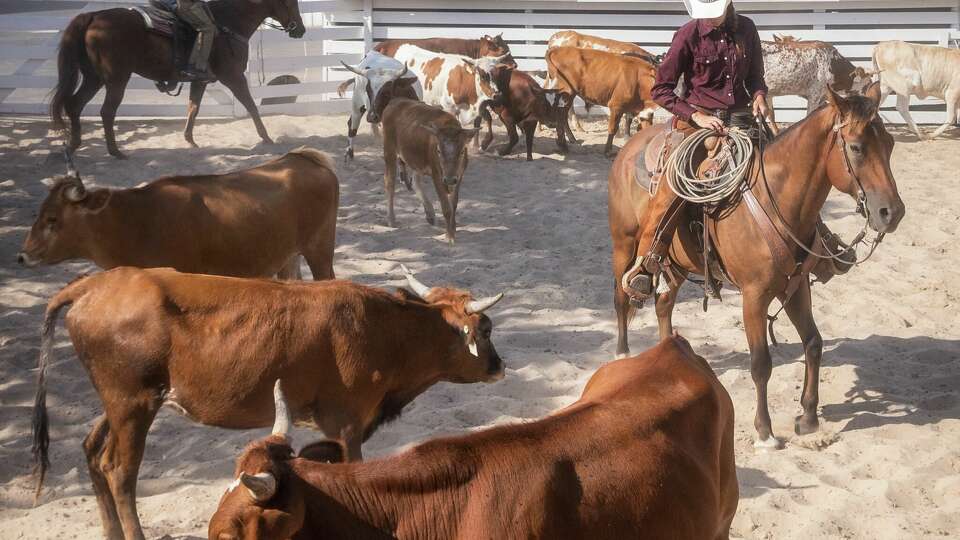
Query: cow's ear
x,y
837,101
96,200
874,94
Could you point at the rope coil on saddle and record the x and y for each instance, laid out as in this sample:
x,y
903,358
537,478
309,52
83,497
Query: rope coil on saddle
x,y
734,160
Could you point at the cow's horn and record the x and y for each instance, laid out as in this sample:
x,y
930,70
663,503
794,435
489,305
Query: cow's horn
x,y
483,304
71,166
402,72
353,69
422,290
261,486
281,418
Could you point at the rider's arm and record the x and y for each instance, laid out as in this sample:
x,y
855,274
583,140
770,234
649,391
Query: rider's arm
x,y
674,64
755,83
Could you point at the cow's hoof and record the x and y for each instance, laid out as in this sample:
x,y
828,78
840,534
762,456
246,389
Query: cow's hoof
x,y
529,158
431,219
804,425
349,155
503,151
770,443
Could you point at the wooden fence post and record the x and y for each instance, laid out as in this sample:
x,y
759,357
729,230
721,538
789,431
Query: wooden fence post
x,y
367,26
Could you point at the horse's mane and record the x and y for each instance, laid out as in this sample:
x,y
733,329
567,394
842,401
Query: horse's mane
x,y
860,108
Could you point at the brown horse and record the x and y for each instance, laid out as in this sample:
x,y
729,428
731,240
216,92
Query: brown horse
x,y
108,46
800,167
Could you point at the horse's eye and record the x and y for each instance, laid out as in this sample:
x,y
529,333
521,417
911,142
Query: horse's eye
x,y
856,148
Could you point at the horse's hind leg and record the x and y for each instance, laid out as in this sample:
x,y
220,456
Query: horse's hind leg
x,y
624,250
108,112
74,105
93,448
755,306
197,89
800,311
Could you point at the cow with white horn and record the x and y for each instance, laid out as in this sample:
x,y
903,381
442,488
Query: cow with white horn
x,y
377,80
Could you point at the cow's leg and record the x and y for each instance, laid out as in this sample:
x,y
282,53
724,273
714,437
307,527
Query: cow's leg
x,y
108,112
93,448
291,270
800,311
390,177
529,130
488,138
512,137
628,124
74,106
375,129
197,88
952,97
576,119
319,250
445,205
903,105
353,123
427,206
565,122
612,125
130,420
755,306
237,84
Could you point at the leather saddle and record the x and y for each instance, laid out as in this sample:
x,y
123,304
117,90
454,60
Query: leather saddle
x,y
160,17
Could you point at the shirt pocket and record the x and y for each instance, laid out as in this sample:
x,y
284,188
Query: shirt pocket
x,y
708,67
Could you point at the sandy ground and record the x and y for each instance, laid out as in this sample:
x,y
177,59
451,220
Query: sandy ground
x,y
886,463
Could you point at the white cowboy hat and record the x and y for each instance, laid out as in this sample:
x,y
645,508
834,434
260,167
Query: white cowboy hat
x,y
706,9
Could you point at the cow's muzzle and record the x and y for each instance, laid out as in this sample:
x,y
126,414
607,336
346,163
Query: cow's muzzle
x,y
25,259
451,181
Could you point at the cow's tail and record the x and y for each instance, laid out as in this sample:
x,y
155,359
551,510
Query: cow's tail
x,y
41,422
70,58
342,88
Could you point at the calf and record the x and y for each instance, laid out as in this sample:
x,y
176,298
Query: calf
x,y
921,70
525,103
457,84
806,68
248,223
427,140
647,451
620,83
471,48
377,80
350,358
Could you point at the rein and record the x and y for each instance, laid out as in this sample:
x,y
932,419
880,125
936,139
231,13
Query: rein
x,y
861,203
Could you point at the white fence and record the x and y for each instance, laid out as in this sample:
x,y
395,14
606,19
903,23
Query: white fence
x,y
344,29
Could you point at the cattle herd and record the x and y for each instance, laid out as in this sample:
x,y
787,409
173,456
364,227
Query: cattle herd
x,y
195,321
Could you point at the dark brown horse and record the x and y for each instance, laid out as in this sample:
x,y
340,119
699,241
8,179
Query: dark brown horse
x,y
107,46
801,166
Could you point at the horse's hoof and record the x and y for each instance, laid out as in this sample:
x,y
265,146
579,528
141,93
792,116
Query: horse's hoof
x,y
193,144
770,443
805,426
118,154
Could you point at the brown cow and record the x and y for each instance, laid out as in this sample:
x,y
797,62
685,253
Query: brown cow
x,y
248,223
620,83
427,141
646,452
350,357
525,103
471,48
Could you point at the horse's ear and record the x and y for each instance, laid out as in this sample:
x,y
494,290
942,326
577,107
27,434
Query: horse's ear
x,y
837,101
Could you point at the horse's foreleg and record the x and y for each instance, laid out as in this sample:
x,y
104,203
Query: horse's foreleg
x,y
74,105
238,86
755,325
108,112
197,88
800,311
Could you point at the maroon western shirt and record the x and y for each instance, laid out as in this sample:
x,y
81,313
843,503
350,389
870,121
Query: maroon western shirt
x,y
716,64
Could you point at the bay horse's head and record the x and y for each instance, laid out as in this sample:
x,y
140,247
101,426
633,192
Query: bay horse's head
x,y
859,163
287,13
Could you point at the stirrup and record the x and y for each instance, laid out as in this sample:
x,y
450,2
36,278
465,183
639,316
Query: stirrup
x,y
193,75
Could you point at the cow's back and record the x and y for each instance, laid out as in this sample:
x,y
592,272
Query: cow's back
x,y
923,70
402,132
464,47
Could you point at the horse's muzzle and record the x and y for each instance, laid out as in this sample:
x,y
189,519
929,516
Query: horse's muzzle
x,y
885,215
297,31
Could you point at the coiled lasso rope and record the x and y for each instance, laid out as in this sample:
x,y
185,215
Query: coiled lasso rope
x,y
682,176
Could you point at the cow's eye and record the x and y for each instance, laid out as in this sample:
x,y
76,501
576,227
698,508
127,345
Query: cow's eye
x,y
51,220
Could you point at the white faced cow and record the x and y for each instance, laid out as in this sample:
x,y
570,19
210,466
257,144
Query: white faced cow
x,y
805,68
922,70
377,79
457,84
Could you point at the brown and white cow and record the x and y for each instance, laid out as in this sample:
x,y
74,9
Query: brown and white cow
x,y
425,140
920,70
350,358
525,103
572,38
647,451
471,48
620,83
805,69
248,223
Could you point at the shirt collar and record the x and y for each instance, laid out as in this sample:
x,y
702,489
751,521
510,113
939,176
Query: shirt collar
x,y
705,28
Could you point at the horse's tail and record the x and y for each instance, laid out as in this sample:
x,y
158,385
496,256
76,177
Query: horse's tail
x,y
342,88
41,422
69,59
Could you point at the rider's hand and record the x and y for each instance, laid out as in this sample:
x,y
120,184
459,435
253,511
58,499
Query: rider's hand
x,y
760,106
707,121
